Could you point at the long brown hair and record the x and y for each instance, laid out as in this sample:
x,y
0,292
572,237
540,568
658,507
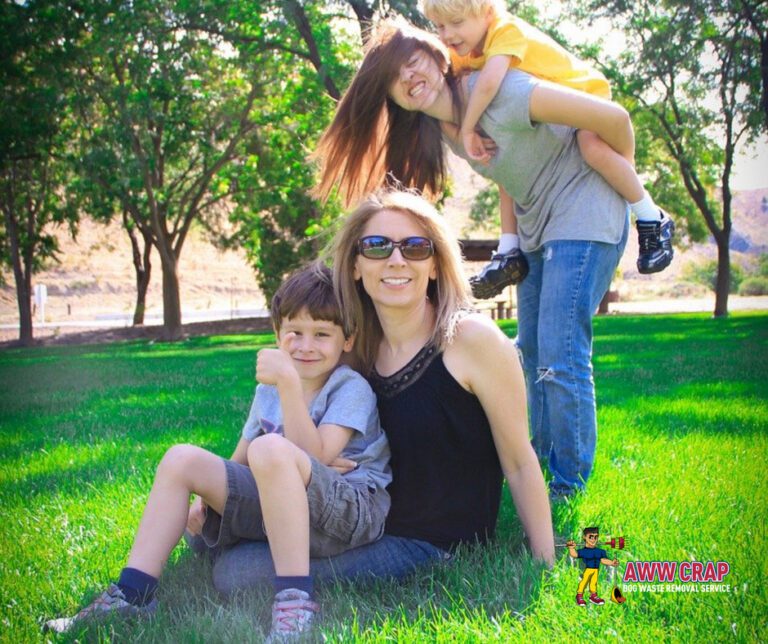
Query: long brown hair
x,y
449,293
372,141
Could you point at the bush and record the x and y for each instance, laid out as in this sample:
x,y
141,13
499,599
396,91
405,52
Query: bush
x,y
484,213
762,265
706,274
754,286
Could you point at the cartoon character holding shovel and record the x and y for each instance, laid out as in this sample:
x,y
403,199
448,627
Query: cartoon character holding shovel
x,y
593,557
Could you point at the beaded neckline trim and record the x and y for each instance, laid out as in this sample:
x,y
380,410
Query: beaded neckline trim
x,y
390,386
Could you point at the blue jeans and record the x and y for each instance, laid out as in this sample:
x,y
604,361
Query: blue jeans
x,y
249,563
556,302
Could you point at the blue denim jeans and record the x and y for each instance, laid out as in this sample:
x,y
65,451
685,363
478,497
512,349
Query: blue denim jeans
x,y
556,302
249,563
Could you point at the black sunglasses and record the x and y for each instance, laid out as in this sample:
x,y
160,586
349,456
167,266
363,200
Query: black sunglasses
x,y
380,247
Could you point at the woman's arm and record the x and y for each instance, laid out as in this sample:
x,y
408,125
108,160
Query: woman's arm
x,y
551,103
485,361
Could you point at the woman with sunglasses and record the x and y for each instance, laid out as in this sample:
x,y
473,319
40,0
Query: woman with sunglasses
x,y
451,400
400,108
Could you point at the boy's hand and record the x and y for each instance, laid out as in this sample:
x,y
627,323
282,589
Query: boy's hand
x,y
343,465
196,517
474,147
489,145
570,543
275,365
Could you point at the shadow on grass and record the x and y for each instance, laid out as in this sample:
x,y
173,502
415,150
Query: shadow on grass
x,y
65,466
131,420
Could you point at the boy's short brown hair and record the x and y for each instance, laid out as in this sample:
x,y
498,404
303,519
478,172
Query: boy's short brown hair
x,y
447,9
309,289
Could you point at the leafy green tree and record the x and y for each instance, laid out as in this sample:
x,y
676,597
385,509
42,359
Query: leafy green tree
x,y
698,75
171,113
96,177
277,223
484,212
37,56
204,108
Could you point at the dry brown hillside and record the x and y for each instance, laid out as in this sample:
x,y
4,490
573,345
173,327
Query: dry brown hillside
x,y
94,278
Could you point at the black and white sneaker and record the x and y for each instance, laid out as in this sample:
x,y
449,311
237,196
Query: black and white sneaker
x,y
502,271
655,239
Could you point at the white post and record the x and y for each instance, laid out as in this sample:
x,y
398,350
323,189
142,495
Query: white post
x,y
41,295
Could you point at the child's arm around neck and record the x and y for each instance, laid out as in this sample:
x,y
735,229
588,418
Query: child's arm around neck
x,y
484,91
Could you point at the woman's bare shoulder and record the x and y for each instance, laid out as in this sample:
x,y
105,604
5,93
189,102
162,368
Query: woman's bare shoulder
x,y
477,332
478,350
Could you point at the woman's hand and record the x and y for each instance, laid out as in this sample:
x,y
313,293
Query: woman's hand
x,y
196,518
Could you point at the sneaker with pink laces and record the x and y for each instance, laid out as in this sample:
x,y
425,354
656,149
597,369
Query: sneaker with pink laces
x,y
110,603
292,616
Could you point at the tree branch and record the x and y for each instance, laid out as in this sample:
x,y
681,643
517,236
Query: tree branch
x,y
296,12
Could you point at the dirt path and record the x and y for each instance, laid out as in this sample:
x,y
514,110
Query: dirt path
x,y
53,335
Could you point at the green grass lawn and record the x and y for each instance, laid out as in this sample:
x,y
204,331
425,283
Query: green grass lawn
x,y
682,449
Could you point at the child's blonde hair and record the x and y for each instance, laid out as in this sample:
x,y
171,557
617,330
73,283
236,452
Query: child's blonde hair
x,y
446,9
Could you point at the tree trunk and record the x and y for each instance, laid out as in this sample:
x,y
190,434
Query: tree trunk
x,y
142,286
172,330
295,10
23,281
143,268
24,299
602,309
723,281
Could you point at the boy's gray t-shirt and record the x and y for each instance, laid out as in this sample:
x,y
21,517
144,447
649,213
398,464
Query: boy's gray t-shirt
x,y
346,399
557,195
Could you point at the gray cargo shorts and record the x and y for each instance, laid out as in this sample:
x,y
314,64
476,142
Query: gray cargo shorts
x,y
341,516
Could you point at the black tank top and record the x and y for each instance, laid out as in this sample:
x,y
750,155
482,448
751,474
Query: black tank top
x,y
447,479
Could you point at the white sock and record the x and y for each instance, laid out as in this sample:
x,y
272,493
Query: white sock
x,y
646,209
507,242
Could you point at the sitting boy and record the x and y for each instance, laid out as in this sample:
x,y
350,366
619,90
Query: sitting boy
x,y
308,409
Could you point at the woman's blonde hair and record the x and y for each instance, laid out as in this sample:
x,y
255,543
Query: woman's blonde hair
x,y
449,293
372,142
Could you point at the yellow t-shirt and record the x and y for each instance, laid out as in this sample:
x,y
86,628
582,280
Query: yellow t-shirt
x,y
532,51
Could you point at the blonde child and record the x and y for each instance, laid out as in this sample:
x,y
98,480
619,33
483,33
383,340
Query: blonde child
x,y
481,35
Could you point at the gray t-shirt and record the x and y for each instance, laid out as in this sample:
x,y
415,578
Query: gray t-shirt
x,y
557,195
346,399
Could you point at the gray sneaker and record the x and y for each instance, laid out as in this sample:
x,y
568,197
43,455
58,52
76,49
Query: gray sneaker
x,y
110,602
292,616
